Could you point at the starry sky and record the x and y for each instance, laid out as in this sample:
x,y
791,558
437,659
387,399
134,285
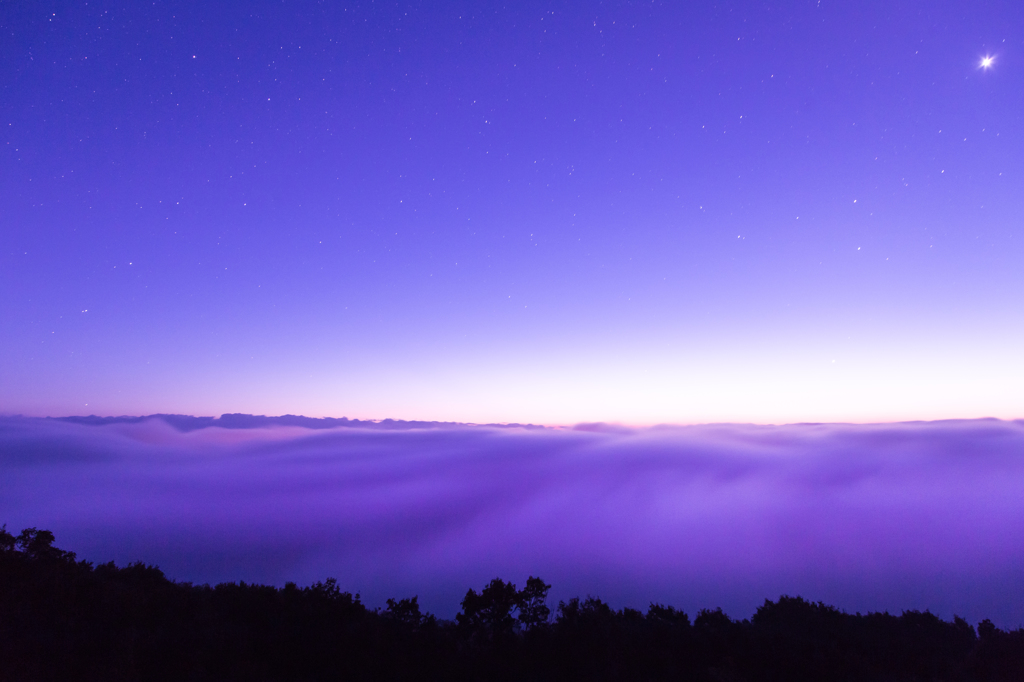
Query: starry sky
x,y
637,212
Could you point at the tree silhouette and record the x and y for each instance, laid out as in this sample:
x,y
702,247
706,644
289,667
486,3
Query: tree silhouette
x,y
490,612
66,619
668,615
532,603
405,611
986,630
714,620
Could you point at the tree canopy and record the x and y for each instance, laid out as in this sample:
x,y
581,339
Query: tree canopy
x,y
63,619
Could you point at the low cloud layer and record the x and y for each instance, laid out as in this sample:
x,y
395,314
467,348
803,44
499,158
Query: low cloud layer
x,y
876,517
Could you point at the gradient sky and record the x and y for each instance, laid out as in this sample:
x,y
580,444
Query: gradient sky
x,y
550,212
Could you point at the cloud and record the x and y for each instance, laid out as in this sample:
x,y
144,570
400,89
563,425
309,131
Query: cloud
x,y
867,517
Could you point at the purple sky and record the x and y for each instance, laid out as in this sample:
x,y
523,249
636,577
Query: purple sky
x,y
637,212
898,516
626,212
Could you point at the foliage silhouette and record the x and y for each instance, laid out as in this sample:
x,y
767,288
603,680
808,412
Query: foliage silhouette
x,y
489,613
61,619
532,604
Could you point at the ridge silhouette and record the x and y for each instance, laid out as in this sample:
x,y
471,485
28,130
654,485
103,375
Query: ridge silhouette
x,y
62,618
186,423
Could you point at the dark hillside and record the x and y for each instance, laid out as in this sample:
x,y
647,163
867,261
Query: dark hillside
x,y
64,619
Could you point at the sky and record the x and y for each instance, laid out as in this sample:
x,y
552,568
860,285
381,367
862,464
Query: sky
x,y
863,517
638,212
612,215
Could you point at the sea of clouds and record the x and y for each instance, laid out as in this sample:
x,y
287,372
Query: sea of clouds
x,y
865,517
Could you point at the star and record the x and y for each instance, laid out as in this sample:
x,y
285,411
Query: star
x,y
986,61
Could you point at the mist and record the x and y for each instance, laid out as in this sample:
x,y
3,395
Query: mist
x,y
890,517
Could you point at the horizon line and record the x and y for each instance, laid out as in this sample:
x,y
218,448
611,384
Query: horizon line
x,y
234,420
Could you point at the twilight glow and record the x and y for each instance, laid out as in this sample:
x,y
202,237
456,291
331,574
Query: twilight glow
x,y
642,213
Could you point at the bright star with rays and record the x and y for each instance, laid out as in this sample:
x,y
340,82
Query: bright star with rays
x,y
986,61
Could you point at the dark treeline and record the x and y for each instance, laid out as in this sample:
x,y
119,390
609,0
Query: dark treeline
x,y
64,619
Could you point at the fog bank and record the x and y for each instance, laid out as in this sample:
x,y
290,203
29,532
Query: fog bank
x,y
865,517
